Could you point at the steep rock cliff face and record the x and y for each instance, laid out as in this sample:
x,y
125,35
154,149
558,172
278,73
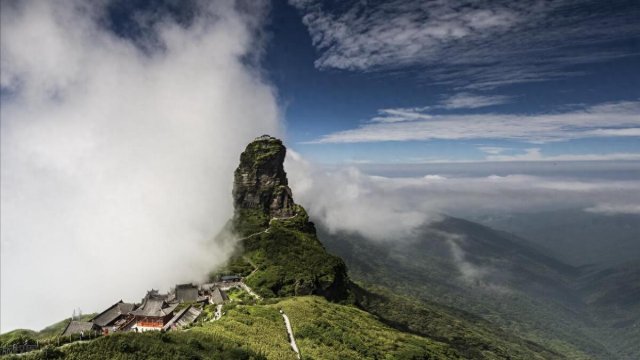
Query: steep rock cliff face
x,y
280,248
260,182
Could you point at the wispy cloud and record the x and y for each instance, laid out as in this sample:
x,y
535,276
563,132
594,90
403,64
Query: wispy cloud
x,y
606,120
401,115
493,150
614,209
535,154
468,271
465,100
471,44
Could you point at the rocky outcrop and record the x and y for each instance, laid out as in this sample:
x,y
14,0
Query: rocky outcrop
x,y
278,242
260,182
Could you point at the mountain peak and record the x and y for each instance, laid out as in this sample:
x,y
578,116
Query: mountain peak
x,y
280,251
260,182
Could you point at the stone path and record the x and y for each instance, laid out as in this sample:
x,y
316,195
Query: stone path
x,y
292,340
249,290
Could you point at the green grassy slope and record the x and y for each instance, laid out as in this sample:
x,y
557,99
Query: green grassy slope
x,y
330,331
149,345
19,336
323,330
470,335
257,327
292,261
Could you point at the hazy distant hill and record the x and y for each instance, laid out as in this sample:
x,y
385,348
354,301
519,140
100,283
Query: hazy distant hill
x,y
501,278
612,296
575,236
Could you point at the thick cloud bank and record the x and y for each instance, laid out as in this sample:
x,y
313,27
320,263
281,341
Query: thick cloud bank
x,y
383,208
118,154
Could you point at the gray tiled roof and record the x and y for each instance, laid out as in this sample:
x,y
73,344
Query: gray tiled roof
x,y
218,296
230,277
186,286
154,307
186,292
208,286
113,313
77,327
184,317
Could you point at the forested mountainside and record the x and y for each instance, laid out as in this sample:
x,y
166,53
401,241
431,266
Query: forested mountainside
x,y
585,311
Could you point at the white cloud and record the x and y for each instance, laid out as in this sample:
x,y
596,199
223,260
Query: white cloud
x,y
118,157
472,274
435,177
535,154
615,209
458,101
597,121
401,115
466,100
346,200
395,32
384,208
493,150
470,44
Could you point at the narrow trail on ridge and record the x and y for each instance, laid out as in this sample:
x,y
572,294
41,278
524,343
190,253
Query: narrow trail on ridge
x,y
292,340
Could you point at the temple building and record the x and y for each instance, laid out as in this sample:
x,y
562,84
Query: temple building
x,y
183,318
186,293
230,278
113,318
154,313
218,296
79,327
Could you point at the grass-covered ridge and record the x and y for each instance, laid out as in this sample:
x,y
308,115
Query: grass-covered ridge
x,y
322,329
289,259
22,336
149,345
326,330
471,336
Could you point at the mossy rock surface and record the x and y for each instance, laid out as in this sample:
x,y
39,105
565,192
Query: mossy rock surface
x,y
277,238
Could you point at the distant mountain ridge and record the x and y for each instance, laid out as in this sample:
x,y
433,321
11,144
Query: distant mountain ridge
x,y
505,279
574,235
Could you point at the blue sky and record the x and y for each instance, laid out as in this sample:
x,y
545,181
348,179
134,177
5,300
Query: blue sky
x,y
413,81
